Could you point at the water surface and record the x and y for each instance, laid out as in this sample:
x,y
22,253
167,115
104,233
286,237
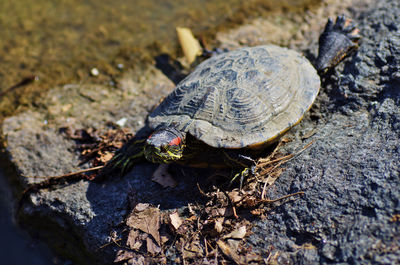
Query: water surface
x,y
60,41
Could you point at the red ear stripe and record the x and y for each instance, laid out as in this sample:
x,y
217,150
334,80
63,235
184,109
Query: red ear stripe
x,y
175,141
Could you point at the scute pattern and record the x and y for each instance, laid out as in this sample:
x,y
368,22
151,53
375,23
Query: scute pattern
x,y
241,98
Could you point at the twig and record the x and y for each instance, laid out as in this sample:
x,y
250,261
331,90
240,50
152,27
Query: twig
x,y
68,174
201,191
49,181
231,204
283,197
286,158
263,191
109,243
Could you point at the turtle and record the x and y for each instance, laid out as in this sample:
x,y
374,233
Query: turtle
x,y
236,104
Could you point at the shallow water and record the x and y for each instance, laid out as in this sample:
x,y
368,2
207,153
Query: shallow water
x,y
60,41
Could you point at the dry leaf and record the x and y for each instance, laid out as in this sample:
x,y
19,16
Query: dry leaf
x,y
162,177
193,249
395,218
164,239
189,44
218,224
175,220
235,196
214,212
257,211
140,207
139,260
233,244
237,233
270,180
123,255
134,241
106,156
147,221
230,253
212,228
250,201
151,246
254,258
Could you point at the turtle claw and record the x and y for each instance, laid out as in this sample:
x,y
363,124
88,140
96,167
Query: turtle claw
x,y
125,158
346,26
337,41
116,166
245,173
341,22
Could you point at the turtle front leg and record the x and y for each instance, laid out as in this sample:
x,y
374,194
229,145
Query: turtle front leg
x,y
125,158
238,160
336,42
245,173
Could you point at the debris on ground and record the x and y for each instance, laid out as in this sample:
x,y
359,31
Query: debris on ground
x,y
98,147
163,177
211,233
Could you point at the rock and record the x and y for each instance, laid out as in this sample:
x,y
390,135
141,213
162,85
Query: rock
x,y
78,218
350,175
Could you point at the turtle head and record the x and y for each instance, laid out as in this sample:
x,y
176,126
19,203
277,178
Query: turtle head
x,y
164,145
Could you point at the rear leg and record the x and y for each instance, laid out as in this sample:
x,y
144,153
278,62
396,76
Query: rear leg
x,y
238,160
336,42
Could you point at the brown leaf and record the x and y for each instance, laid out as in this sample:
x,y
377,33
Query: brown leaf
x,y
164,239
218,224
134,241
189,44
253,257
151,246
162,177
106,156
175,220
123,255
270,180
250,201
139,260
215,212
257,211
239,233
193,249
395,218
228,251
148,221
235,196
140,207
231,251
233,244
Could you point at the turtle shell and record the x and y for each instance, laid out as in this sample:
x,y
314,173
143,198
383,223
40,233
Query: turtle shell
x,y
243,98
